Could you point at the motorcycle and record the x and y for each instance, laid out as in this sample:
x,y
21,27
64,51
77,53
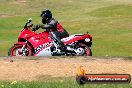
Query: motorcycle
x,y
31,43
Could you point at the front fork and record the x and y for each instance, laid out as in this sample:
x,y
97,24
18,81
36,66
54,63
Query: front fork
x,y
24,46
23,49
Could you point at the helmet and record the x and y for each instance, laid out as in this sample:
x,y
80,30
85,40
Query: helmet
x,y
46,16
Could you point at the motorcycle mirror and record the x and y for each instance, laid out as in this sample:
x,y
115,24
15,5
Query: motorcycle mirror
x,y
29,20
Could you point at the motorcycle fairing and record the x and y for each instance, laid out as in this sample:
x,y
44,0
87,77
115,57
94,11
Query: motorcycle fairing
x,y
75,37
44,49
44,52
25,34
39,39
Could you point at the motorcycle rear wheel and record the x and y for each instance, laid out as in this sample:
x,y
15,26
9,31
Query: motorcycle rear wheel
x,y
14,51
87,50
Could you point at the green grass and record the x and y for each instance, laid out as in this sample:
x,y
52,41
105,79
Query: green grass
x,y
59,83
108,21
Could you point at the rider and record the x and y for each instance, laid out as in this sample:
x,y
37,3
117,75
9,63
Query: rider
x,y
53,26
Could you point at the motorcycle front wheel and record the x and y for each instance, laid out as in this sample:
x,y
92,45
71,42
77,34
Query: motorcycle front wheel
x,y
16,51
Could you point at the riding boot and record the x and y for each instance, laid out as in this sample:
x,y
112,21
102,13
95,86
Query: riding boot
x,y
61,46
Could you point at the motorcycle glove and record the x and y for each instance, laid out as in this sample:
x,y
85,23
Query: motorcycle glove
x,y
37,27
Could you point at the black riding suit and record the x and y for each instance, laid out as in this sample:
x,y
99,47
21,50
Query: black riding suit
x,y
56,30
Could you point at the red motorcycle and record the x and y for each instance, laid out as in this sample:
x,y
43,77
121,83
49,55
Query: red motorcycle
x,y
43,44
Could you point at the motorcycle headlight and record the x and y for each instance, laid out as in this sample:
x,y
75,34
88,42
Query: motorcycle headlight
x,y
87,40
